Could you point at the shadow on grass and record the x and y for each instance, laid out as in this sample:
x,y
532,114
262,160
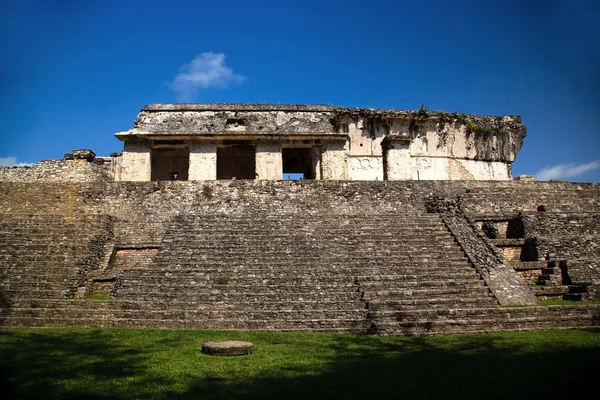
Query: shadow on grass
x,y
101,364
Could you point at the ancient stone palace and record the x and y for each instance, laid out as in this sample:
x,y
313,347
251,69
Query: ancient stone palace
x,y
403,223
266,141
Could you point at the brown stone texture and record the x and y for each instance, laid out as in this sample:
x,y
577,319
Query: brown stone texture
x,y
363,257
572,237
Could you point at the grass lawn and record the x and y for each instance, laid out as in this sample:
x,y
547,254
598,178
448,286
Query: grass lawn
x,y
561,302
168,364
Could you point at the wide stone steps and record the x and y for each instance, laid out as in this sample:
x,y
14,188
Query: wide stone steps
x,y
464,310
382,232
376,304
295,253
197,315
254,238
284,260
324,227
464,321
177,304
212,263
37,270
172,235
303,277
244,287
299,277
43,253
311,325
426,293
329,296
17,284
480,320
390,284
429,270
270,271
34,293
195,293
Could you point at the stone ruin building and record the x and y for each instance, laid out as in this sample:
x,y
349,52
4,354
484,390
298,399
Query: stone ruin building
x,y
404,222
257,141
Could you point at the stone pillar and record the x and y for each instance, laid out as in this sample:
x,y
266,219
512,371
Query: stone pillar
x,y
316,161
269,163
203,161
136,164
399,162
334,161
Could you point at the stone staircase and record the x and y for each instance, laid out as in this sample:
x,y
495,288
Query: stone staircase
x,y
44,256
306,272
310,256
546,279
281,271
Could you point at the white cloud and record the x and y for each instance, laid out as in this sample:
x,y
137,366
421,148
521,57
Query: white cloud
x,y
564,171
207,70
12,162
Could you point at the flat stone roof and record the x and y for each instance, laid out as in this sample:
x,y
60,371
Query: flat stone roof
x,y
305,108
237,107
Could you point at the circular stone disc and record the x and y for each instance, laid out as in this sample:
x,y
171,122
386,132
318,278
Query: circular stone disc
x,y
228,348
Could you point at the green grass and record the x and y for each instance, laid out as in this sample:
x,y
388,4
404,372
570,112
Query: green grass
x,y
97,297
536,286
561,302
168,364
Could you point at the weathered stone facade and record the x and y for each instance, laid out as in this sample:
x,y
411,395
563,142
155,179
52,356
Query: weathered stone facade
x,y
363,257
331,143
162,235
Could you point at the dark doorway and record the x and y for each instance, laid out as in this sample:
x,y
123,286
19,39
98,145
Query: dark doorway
x,y
236,161
298,160
170,164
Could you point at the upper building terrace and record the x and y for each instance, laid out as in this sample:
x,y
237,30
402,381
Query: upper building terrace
x,y
266,141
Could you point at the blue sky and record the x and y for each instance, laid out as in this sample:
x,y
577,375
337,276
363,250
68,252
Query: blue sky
x,y
73,73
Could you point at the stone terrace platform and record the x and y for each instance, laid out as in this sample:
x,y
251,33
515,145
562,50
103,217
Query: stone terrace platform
x,y
361,257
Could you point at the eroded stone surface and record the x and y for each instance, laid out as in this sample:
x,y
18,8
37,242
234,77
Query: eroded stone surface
x,y
356,144
277,255
228,348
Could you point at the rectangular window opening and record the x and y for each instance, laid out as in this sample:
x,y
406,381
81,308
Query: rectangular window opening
x,y
236,160
170,164
298,163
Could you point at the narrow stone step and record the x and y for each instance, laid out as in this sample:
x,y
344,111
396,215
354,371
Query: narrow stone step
x,y
176,304
451,302
527,265
550,290
508,242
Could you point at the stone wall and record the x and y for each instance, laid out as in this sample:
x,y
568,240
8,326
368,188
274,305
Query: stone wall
x,y
564,236
360,245
476,198
570,237
59,171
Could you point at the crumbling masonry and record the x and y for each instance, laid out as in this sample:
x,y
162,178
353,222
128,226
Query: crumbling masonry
x,y
404,223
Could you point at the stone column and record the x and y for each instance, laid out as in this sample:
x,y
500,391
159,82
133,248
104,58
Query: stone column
x,y
399,162
269,163
316,161
203,161
334,161
136,164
